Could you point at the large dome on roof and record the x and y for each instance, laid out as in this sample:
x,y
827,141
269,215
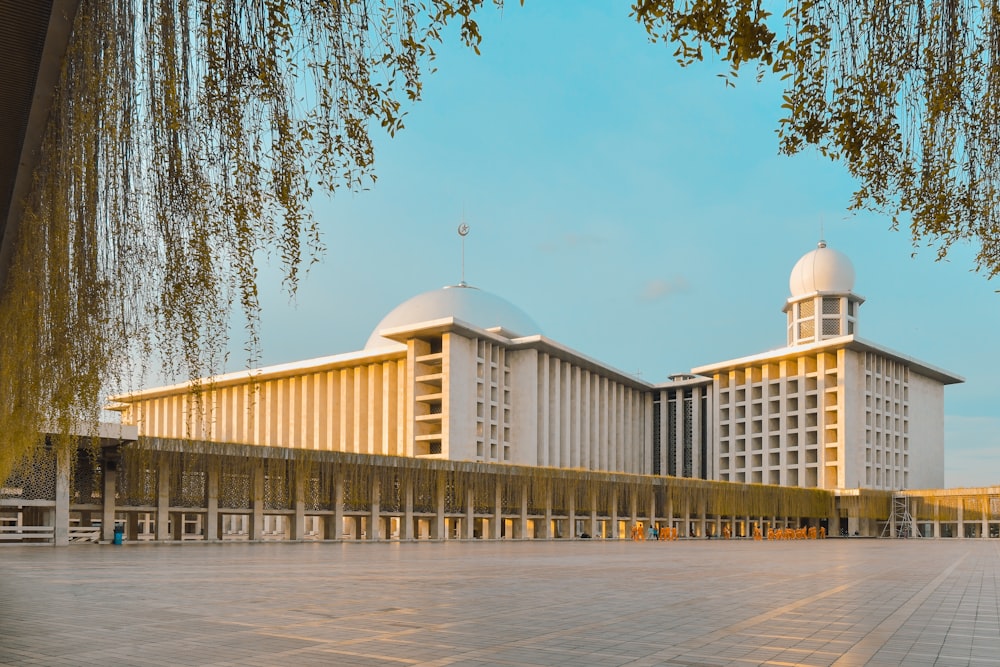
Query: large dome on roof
x,y
822,270
463,302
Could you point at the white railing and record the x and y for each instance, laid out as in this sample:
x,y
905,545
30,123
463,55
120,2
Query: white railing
x,y
84,534
26,533
47,534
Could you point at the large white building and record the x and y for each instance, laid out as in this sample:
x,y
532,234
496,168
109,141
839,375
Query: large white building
x,y
460,374
829,410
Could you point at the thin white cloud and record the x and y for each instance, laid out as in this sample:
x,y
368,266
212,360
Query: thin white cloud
x,y
658,289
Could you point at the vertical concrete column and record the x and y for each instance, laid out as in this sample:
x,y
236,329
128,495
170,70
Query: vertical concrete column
x,y
522,520
257,501
212,499
338,506
961,518
652,510
496,527
162,499
701,520
108,501
633,510
406,530
614,518
60,518
547,532
374,524
686,528
937,517
298,527
469,521
669,509
592,528
437,524
984,530
571,533
387,527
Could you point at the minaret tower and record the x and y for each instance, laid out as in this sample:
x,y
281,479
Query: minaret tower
x,y
822,304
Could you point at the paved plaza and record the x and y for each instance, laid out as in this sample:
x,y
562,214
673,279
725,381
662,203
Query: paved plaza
x,y
687,603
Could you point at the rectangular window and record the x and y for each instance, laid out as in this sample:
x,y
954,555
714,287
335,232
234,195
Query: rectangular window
x,y
656,436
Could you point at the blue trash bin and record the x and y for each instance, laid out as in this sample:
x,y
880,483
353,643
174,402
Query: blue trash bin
x,y
119,534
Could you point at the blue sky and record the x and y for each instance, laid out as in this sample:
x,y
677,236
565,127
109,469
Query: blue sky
x,y
638,211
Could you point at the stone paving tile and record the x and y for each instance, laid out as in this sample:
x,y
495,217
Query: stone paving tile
x,y
514,604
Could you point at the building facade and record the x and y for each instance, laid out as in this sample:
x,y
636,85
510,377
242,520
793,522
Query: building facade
x,y
460,374
443,376
461,419
829,410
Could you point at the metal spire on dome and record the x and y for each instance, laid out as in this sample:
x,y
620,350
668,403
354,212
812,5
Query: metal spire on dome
x,y
463,231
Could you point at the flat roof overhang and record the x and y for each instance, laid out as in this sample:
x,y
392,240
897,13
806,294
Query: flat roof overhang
x,y
33,40
849,342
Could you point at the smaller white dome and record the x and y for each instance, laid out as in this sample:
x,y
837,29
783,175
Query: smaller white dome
x,y
463,302
822,270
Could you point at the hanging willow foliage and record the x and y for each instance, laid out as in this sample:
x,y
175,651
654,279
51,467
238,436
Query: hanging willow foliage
x,y
187,135
867,504
905,92
184,143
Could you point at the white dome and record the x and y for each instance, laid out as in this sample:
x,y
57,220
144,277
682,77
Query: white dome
x,y
822,270
463,302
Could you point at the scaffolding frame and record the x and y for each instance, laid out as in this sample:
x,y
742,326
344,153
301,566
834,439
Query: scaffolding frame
x,y
900,523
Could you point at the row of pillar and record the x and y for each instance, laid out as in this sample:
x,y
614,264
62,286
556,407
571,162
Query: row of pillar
x,y
690,524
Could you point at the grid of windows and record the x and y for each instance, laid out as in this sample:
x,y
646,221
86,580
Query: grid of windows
x,y
672,435
682,431
821,317
887,409
657,465
492,402
428,393
778,423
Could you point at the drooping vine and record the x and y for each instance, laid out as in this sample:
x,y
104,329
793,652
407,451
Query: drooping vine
x,y
184,143
906,93
187,136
